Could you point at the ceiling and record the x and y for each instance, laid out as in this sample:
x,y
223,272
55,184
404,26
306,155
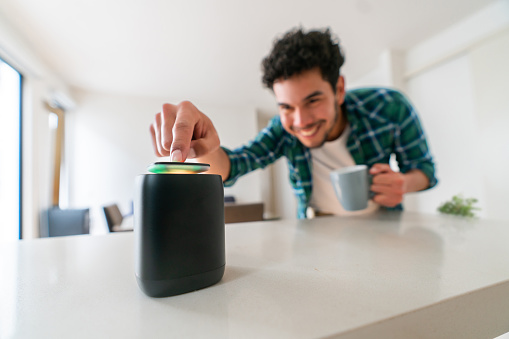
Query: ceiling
x,y
210,50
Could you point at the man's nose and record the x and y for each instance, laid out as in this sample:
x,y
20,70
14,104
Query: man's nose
x,y
302,118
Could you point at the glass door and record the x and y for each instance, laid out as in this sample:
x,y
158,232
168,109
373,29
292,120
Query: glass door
x,y
10,153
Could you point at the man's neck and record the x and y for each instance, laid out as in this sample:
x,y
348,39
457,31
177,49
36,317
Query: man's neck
x,y
339,126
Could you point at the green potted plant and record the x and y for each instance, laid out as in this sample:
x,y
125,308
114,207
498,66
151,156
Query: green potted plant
x,y
459,206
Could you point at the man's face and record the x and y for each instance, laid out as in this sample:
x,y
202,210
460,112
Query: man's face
x,y
309,108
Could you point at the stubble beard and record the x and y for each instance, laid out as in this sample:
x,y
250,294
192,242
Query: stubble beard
x,y
327,134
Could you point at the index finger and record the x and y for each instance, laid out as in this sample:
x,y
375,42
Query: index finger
x,y
183,130
167,122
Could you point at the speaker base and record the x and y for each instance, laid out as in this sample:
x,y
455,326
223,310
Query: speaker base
x,y
176,286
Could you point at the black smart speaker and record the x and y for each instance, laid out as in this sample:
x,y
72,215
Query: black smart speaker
x,y
179,232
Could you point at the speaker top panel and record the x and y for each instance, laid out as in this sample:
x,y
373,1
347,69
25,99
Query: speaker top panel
x,y
177,168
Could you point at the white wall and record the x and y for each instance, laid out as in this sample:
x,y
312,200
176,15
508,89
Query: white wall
x,y
444,98
490,69
457,80
278,195
388,73
111,145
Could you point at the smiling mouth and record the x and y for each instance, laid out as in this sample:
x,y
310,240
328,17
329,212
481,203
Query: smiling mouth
x,y
308,131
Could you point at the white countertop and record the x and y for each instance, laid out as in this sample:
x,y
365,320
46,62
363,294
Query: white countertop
x,y
391,275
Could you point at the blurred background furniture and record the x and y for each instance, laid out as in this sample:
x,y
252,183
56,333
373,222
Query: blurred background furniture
x,y
57,222
234,212
229,199
115,220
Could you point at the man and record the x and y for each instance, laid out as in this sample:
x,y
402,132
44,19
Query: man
x,y
320,127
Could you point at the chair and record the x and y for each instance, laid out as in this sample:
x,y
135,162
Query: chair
x,y
57,222
114,219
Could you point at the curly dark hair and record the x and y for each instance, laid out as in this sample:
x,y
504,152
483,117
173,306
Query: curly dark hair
x,y
298,51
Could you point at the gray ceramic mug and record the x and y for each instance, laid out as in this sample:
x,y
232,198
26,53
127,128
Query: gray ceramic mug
x,y
351,185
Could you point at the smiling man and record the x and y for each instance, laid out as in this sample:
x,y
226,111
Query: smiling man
x,y
320,127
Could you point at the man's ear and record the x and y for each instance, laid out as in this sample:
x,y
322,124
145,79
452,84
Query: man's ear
x,y
340,90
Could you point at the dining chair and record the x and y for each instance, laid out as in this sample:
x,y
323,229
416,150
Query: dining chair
x,y
114,219
56,222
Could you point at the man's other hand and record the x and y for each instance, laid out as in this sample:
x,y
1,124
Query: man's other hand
x,y
388,186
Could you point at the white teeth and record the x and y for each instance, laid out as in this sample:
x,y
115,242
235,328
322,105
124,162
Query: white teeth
x,y
308,132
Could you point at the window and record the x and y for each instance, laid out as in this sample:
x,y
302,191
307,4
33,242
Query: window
x,y
10,152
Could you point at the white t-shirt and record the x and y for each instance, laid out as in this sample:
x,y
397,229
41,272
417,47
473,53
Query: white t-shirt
x,y
330,156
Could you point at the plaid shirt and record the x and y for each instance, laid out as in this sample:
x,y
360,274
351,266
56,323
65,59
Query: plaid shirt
x,y
382,122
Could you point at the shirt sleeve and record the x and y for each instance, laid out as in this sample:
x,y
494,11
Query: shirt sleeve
x,y
266,148
411,147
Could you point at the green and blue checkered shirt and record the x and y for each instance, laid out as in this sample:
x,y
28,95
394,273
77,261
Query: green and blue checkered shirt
x,y
382,122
